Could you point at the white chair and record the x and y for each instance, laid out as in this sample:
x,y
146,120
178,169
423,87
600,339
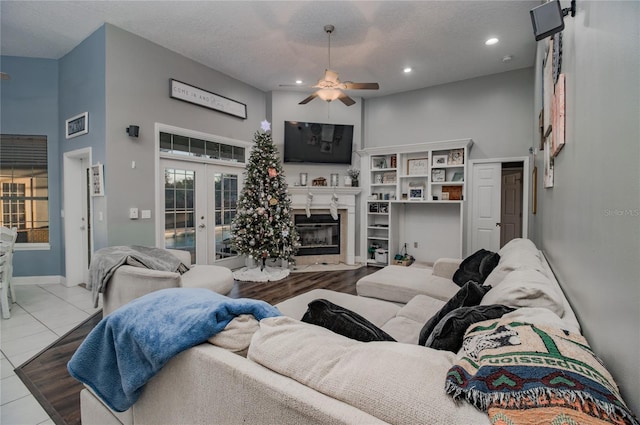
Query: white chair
x,y
7,244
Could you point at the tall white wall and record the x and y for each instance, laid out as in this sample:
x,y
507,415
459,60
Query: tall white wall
x,y
588,224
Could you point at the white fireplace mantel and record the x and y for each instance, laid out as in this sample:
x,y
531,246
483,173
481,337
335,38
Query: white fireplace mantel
x,y
322,200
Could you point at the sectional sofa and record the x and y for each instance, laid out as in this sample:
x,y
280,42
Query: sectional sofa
x,y
285,371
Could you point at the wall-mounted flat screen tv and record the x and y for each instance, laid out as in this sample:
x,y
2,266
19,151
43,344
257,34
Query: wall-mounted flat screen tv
x,y
318,143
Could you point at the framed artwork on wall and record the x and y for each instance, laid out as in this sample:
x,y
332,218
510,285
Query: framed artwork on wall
x,y
77,125
97,180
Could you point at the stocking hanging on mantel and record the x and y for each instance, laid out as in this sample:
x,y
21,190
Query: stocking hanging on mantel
x,y
333,206
307,208
263,227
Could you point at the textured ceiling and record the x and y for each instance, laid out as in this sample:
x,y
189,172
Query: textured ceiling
x,y
268,43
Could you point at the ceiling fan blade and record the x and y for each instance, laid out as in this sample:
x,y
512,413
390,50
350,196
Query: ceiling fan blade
x,y
346,99
309,99
361,86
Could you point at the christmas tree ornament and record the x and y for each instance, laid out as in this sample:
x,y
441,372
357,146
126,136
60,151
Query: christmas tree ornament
x,y
273,201
273,173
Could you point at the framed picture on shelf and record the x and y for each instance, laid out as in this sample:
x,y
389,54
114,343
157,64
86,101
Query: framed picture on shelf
x,y
373,207
379,163
439,160
383,208
417,166
458,176
444,196
456,157
416,193
389,177
437,175
454,192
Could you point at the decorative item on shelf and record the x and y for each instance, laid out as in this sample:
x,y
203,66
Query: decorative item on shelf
x,y
372,250
456,157
394,161
354,174
383,208
417,166
455,192
416,194
445,196
335,179
320,181
437,175
439,160
381,256
404,196
389,177
458,176
378,179
373,207
303,179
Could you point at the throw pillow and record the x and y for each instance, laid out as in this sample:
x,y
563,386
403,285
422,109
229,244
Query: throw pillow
x,y
469,295
449,332
476,267
344,322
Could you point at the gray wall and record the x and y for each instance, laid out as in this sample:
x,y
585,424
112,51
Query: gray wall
x,y
30,107
589,223
137,92
494,111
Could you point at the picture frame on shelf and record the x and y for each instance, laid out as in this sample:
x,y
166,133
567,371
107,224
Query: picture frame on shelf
x,y
454,192
389,177
439,160
444,196
379,163
373,207
417,166
438,175
383,208
456,157
416,194
458,176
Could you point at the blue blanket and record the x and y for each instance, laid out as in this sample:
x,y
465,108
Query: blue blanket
x,y
129,346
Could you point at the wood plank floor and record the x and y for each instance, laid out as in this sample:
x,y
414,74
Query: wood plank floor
x,y
46,374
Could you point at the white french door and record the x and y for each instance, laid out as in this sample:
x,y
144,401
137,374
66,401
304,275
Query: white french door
x,y
199,201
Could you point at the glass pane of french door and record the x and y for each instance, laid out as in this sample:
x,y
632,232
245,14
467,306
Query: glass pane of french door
x,y
226,198
179,210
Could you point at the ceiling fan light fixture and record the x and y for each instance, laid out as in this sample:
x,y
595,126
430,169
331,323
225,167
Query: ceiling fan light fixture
x,y
328,94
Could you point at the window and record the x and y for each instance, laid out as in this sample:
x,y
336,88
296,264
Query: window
x,y
226,202
24,187
189,146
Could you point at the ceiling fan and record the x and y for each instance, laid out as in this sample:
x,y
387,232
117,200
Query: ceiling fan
x,y
330,87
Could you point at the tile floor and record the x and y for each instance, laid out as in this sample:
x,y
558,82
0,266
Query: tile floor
x,y
42,314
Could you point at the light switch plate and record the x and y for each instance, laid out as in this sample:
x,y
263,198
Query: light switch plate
x,y
146,213
133,213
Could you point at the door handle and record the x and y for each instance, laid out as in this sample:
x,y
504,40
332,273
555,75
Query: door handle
x,y
498,224
202,226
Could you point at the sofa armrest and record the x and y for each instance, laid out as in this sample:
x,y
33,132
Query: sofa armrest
x,y
129,283
446,267
184,256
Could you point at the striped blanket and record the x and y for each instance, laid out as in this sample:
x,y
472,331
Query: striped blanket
x,y
520,373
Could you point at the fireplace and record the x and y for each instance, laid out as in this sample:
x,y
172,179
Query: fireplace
x,y
319,234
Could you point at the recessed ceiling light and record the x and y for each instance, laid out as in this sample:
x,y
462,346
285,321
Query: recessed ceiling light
x,y
407,70
507,58
298,81
491,41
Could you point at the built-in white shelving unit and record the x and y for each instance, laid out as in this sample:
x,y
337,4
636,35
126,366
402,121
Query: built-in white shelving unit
x,y
423,182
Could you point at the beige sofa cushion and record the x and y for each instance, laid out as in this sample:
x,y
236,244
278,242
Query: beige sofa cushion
x,y
395,382
236,336
526,287
541,317
406,326
517,253
401,284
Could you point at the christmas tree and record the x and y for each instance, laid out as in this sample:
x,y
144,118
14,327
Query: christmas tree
x,y
263,226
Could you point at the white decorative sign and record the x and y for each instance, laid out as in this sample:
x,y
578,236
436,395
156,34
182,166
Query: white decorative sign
x,y
191,94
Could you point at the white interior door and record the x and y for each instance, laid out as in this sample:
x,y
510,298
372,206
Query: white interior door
x,y
485,208
199,203
77,216
511,219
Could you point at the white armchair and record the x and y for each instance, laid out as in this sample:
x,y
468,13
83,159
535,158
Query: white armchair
x,y
130,282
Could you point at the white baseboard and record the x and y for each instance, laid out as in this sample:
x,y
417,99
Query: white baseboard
x,y
38,280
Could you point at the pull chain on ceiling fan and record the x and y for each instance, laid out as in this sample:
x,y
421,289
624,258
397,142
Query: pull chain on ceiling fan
x,y
330,87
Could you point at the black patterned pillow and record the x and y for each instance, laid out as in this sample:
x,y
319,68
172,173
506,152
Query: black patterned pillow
x,y
449,332
344,322
469,295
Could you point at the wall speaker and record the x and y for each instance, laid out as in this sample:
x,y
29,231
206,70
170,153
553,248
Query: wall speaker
x,y
133,130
